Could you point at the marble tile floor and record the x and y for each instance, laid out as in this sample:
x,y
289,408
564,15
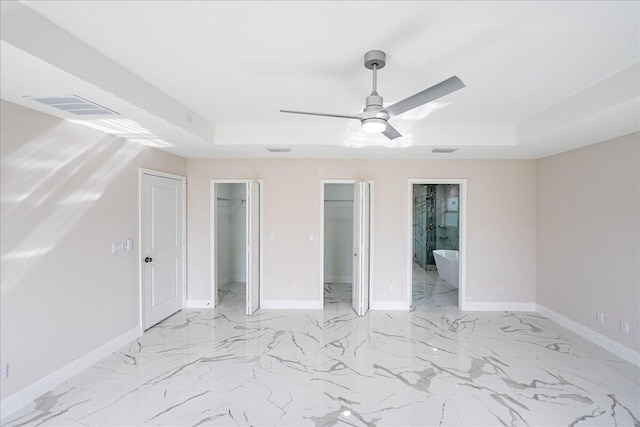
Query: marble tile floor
x,y
433,366
337,295
233,295
429,290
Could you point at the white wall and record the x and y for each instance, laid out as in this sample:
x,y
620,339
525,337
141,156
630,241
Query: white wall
x,y
501,223
588,242
338,233
68,192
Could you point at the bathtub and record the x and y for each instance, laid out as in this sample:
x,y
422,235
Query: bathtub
x,y
447,262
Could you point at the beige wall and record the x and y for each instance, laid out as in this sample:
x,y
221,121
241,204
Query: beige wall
x,y
501,225
67,193
588,239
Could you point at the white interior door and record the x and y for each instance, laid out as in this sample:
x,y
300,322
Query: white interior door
x,y
360,296
162,247
253,247
214,240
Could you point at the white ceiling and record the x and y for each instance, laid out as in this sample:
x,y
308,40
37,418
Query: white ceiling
x,y
208,78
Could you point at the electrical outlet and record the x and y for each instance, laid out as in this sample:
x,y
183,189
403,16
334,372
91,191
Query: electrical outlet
x,y
272,236
311,236
4,371
501,289
392,288
294,287
624,327
600,317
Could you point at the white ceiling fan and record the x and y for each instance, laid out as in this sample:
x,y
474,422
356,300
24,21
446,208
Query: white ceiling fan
x,y
374,118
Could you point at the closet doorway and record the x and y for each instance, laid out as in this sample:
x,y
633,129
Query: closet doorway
x,y
235,244
345,248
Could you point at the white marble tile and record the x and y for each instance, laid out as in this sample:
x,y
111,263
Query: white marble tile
x,y
434,365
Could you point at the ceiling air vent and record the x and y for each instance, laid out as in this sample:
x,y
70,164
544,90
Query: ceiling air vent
x,y
443,150
279,149
73,104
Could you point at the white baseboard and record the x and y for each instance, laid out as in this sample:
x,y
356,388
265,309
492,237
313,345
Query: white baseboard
x,y
497,306
224,281
200,303
614,347
238,279
389,305
291,304
28,394
338,279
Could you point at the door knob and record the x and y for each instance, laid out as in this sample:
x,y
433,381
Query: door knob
x,y
148,259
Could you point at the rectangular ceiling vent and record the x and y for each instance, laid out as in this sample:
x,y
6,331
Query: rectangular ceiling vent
x,y
279,149
444,150
73,104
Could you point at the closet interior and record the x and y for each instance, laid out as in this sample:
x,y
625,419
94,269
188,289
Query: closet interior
x,y
338,242
231,229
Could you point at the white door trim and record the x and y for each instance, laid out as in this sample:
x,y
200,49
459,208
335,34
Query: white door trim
x,y
144,171
212,235
462,286
371,228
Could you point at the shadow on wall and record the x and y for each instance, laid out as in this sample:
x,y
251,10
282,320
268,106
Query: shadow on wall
x,y
46,188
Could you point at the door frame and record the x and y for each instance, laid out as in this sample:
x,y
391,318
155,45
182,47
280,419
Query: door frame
x,y
462,284
141,294
213,237
371,228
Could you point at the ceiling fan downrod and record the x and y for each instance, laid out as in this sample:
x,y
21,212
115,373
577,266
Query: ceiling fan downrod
x,y
374,60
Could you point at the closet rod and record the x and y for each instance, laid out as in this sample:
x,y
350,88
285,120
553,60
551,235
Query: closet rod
x,y
224,199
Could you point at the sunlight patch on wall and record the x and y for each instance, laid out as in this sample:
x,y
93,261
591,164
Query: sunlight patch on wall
x,y
26,254
81,197
48,185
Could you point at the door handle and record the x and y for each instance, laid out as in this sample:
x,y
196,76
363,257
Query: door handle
x,y
148,259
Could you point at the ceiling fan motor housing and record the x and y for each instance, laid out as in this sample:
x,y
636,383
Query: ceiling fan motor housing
x,y
374,101
375,57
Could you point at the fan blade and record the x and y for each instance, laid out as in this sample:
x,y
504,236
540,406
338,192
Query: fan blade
x,y
434,92
391,132
342,116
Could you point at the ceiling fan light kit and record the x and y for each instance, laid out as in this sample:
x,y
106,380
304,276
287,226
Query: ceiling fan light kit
x,y
374,118
374,125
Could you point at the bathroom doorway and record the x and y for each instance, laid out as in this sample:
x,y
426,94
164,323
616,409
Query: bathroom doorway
x,y
436,240
235,244
345,236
